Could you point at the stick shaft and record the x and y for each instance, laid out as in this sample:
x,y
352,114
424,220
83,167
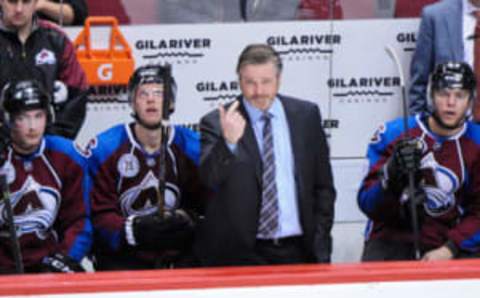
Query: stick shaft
x,y
16,251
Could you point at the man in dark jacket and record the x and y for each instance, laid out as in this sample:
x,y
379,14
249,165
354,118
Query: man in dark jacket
x,y
266,159
35,49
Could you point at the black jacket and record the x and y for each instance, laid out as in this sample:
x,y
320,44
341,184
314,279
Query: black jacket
x,y
47,56
228,234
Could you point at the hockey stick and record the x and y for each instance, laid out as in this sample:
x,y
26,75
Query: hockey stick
x,y
17,253
162,171
411,174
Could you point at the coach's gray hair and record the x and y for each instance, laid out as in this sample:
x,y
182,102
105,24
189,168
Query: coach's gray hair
x,y
259,54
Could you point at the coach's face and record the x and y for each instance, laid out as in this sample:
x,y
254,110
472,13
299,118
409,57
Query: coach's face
x,y
17,13
259,83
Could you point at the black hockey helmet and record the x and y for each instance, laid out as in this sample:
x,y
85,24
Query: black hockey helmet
x,y
19,96
453,75
152,73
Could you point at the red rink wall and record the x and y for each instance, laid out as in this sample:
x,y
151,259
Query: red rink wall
x,y
389,279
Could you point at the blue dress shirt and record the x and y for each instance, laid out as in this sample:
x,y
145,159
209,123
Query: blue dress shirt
x,y
289,222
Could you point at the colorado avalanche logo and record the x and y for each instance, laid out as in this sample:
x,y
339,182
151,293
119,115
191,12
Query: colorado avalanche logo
x,y
35,208
45,57
440,192
142,199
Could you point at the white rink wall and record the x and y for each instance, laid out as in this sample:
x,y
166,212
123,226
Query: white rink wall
x,y
340,65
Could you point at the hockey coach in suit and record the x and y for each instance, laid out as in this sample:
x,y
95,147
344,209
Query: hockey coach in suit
x,y
266,158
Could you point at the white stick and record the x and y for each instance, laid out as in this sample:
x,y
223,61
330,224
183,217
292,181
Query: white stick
x,y
394,56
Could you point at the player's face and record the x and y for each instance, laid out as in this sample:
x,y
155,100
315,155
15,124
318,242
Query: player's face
x,y
28,129
451,105
259,83
148,103
18,13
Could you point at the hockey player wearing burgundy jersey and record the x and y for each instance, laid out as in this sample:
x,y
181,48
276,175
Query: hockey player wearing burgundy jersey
x,y
443,151
132,232
47,179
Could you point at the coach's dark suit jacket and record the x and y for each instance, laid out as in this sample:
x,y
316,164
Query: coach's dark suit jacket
x,y
440,40
228,234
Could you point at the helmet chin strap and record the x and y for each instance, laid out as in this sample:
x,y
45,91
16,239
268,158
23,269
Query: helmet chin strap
x,y
442,124
145,125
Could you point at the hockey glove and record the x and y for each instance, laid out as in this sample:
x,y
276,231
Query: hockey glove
x,y
61,263
172,232
406,157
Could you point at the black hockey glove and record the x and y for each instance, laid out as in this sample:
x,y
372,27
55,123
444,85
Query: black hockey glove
x,y
406,157
172,232
61,263
69,114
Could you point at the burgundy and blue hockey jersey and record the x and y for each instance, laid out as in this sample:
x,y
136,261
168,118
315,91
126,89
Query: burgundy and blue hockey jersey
x,y
450,171
49,197
125,181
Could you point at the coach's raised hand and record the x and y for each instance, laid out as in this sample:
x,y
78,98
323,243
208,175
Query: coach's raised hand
x,y
232,123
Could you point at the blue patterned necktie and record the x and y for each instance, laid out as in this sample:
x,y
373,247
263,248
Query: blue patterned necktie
x,y
268,222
